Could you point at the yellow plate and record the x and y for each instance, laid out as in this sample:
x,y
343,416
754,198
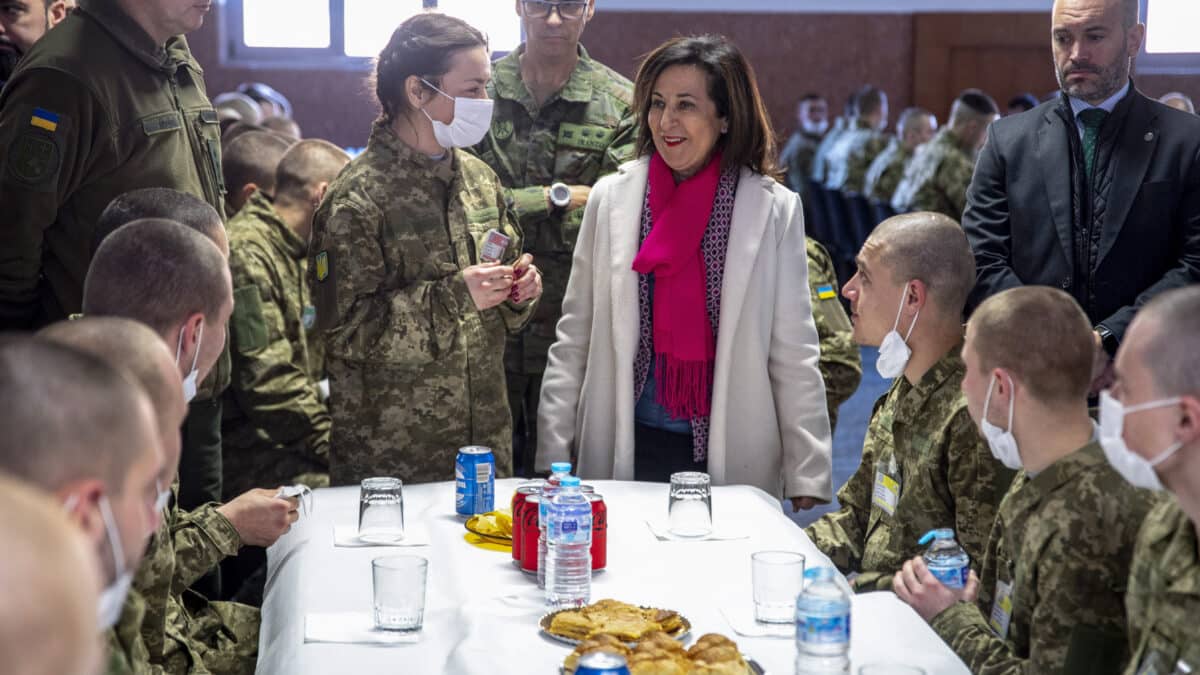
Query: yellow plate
x,y
495,538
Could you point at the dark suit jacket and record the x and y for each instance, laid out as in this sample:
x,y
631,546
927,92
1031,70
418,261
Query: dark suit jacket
x,y
1019,215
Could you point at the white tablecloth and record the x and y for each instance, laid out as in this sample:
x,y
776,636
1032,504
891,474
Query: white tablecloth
x,y
481,613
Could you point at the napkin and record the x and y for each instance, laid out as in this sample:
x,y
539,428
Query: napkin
x,y
663,533
741,619
357,628
346,536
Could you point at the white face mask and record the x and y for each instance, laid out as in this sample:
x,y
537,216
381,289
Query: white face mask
x,y
894,352
1134,468
189,382
1002,443
812,128
472,119
112,598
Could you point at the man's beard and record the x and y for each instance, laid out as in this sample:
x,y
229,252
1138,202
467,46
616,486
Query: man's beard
x,y
1109,81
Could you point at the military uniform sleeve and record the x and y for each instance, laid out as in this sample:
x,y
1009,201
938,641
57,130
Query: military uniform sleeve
x,y
842,535
623,145
50,139
965,630
202,539
127,651
841,363
368,321
274,393
977,483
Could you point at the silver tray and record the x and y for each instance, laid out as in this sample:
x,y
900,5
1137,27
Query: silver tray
x,y
755,667
544,626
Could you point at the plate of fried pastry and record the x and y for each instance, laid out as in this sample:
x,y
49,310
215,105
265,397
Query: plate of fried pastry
x,y
626,623
659,654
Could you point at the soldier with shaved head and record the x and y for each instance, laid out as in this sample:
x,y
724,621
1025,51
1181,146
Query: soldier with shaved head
x,y
924,464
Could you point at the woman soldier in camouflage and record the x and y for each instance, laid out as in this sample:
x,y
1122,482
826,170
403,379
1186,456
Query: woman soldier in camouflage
x,y
414,318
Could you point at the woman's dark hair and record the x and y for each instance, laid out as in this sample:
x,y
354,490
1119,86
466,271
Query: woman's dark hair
x,y
423,46
750,141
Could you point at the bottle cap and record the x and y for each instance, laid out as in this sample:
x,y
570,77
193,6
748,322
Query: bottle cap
x,y
560,467
570,481
943,533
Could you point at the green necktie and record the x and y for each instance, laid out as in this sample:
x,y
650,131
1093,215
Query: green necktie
x,y
1092,119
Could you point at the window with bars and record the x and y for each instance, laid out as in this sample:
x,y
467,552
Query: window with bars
x,y
1172,41
346,33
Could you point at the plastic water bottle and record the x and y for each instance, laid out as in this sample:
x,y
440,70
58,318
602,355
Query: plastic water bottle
x,y
945,559
558,471
569,549
823,623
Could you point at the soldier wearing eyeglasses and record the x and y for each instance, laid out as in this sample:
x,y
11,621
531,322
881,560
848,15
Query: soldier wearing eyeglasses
x,y
562,120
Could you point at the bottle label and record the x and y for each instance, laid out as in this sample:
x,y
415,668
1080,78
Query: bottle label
x,y
1001,609
830,630
951,577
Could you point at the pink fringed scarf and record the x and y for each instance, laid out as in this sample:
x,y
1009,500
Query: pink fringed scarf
x,y
684,347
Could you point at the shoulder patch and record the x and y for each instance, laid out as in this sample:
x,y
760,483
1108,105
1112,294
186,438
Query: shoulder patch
x,y
826,292
322,261
44,119
34,158
502,129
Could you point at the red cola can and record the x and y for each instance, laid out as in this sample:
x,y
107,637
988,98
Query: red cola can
x,y
599,532
530,534
518,508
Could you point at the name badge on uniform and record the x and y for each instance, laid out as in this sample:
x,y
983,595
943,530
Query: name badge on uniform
x,y
887,492
309,317
1002,609
584,137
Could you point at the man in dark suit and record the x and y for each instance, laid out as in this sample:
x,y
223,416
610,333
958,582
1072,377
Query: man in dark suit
x,y
1096,192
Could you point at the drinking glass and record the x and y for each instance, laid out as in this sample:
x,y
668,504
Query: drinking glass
x,y
689,513
399,592
778,578
381,510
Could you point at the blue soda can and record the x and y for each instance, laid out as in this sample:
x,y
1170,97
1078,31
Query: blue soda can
x,y
475,480
602,663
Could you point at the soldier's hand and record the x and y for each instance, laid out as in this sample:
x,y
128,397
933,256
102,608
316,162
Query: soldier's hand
x,y
528,280
917,586
260,517
489,283
579,197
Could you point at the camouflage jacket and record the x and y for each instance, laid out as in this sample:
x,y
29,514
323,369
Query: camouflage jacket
x,y
415,370
796,159
924,453
885,172
852,155
95,109
1060,551
841,362
275,427
820,161
186,546
127,652
1163,601
937,178
580,134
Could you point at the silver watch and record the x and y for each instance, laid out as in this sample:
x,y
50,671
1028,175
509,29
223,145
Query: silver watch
x,y
560,195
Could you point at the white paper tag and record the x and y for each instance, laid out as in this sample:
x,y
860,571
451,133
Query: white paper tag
x,y
1002,609
887,493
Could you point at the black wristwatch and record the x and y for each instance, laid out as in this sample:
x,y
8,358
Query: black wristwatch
x,y
1107,339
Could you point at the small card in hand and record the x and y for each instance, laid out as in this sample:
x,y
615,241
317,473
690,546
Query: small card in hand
x,y
494,245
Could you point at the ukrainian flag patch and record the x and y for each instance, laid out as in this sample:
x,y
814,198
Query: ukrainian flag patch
x,y
826,292
44,119
322,266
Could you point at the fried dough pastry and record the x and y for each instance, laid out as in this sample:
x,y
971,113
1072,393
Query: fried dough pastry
x,y
622,620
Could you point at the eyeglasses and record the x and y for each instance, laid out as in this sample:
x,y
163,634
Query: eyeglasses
x,y
567,11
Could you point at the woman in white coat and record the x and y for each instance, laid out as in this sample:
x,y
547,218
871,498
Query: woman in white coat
x,y
687,340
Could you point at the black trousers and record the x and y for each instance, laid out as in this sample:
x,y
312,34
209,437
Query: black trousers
x,y
657,454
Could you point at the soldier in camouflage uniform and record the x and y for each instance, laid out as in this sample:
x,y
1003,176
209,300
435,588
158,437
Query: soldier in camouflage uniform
x,y
571,134
924,464
1049,597
841,362
414,319
819,170
916,127
276,426
1158,369
938,176
854,151
797,155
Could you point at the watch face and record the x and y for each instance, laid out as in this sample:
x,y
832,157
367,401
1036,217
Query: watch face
x,y
560,195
